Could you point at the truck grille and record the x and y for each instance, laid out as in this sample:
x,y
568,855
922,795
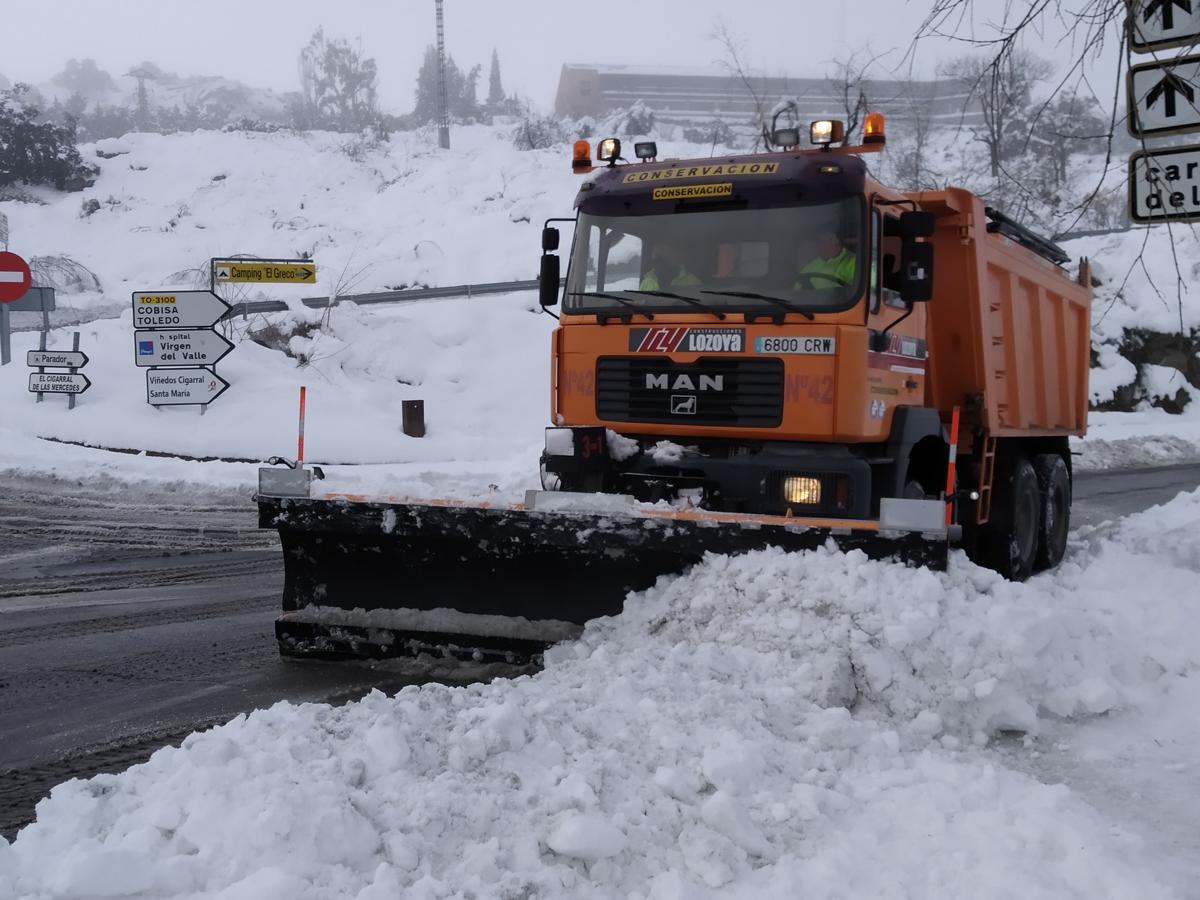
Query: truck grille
x,y
739,392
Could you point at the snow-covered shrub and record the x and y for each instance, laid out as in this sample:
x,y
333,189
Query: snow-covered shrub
x,y
37,152
63,274
534,132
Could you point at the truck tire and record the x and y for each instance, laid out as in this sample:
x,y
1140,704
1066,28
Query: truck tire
x,y
1012,535
1054,488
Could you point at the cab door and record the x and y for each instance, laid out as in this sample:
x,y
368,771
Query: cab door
x,y
897,355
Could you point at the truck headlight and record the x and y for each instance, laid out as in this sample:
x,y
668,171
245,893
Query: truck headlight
x,y
560,442
802,490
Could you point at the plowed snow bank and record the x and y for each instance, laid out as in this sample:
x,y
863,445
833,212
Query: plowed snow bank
x,y
698,745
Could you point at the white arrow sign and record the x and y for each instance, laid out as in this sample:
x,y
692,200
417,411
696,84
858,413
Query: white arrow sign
x,y
177,309
1164,185
179,347
57,383
71,359
183,387
1164,98
1159,24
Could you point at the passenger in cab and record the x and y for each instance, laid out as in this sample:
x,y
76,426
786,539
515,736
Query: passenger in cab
x,y
667,270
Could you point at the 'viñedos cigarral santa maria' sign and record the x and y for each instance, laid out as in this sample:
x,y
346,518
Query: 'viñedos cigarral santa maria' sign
x,y
183,387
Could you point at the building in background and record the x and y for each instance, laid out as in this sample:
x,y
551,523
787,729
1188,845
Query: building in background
x,y
687,96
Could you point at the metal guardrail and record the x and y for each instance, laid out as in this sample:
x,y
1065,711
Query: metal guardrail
x,y
434,293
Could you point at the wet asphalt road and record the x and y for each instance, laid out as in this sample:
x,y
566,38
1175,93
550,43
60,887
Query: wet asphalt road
x,y
130,617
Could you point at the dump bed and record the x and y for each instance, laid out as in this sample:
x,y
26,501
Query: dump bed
x,y
1006,324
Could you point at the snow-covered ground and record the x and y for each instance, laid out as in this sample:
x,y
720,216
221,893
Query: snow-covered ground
x,y
774,725
767,726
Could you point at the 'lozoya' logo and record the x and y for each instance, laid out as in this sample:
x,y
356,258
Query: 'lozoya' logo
x,y
684,383
687,340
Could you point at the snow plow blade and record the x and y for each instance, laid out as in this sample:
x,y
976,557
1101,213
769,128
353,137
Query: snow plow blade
x,y
379,579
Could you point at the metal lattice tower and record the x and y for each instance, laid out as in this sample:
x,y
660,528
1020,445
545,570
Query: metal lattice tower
x,y
443,104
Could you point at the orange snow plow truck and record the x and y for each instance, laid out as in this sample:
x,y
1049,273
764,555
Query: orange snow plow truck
x,y
770,350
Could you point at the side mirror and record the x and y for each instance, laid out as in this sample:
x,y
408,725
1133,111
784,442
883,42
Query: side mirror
x,y
549,239
916,224
916,272
548,279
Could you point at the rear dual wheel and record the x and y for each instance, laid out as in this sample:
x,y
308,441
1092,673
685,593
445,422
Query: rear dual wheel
x,y
1031,516
1054,486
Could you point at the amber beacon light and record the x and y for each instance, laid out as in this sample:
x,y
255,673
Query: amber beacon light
x,y
873,130
581,158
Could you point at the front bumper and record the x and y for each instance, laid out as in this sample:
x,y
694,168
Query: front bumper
x,y
729,479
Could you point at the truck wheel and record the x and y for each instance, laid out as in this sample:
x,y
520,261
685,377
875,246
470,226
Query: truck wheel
x,y
1054,489
1016,514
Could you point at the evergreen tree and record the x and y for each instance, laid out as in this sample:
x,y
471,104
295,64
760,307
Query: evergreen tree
x,y
495,90
460,89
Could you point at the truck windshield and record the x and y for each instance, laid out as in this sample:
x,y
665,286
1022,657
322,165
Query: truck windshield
x,y
808,258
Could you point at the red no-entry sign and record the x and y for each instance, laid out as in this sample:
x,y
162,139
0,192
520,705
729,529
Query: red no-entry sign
x,y
14,277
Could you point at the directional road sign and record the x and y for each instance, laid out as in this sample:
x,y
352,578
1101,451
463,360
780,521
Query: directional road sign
x,y
183,387
57,383
68,359
177,309
1159,24
179,347
1164,185
1164,98
265,271
14,277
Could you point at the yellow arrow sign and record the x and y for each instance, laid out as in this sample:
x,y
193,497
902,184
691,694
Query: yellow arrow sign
x,y
239,270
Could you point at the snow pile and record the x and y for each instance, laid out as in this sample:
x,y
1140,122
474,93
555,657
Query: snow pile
x,y
700,744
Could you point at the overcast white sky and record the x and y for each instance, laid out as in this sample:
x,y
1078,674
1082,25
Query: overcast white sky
x,y
257,41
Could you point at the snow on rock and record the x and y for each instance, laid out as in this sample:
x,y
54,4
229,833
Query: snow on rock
x,y
770,725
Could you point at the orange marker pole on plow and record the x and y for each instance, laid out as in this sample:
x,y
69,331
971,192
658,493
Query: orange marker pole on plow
x,y
300,439
950,467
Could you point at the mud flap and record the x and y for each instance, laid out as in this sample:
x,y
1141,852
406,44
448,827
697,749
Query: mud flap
x,y
380,579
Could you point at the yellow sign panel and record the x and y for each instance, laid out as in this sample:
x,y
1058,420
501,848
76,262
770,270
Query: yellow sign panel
x,y
237,270
686,191
715,170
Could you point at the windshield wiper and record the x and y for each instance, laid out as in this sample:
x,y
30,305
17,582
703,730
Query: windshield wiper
x,y
778,301
621,300
690,300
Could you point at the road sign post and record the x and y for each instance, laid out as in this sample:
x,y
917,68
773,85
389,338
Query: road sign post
x,y
176,342
1164,185
180,347
1163,24
177,309
71,382
15,279
1163,98
194,386
264,271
